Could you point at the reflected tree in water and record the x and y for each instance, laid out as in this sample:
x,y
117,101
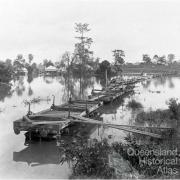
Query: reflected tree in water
x,y
146,84
161,81
36,154
170,82
85,83
5,91
78,87
102,80
30,91
29,80
19,85
48,79
5,78
5,72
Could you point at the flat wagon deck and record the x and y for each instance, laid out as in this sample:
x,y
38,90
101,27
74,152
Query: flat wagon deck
x,y
51,121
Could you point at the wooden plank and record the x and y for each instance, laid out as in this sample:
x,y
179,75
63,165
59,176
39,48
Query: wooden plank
x,y
84,102
134,126
96,98
137,131
47,115
98,90
79,106
72,109
48,122
92,121
85,120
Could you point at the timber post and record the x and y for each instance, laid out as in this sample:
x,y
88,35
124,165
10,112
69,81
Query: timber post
x,y
29,108
69,107
53,104
98,100
86,108
98,130
106,77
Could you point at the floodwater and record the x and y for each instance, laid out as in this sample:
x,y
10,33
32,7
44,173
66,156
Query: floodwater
x,y
42,159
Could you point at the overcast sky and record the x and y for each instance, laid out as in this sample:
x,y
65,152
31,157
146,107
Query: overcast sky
x,y
45,28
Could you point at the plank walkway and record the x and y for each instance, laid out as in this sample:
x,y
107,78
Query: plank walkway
x,y
120,127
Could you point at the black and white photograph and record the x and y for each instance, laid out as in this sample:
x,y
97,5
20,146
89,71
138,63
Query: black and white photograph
x,y
89,89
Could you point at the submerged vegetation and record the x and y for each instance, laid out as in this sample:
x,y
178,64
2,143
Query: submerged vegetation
x,y
169,116
133,104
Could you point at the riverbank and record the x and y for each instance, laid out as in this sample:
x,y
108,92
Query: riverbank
x,y
173,69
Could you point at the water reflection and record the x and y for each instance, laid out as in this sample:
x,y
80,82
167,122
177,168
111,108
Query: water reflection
x,y
49,79
101,80
5,91
161,81
146,84
30,91
76,86
19,85
49,151
29,78
44,153
170,81
79,88
38,153
113,107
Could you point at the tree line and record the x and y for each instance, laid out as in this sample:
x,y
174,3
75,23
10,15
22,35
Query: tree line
x,y
80,61
162,60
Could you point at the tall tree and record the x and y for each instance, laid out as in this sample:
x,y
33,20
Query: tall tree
x,y
162,60
146,58
8,62
19,62
103,66
30,57
118,59
118,56
20,58
47,63
170,58
66,60
82,51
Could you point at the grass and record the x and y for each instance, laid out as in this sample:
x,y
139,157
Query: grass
x,y
133,104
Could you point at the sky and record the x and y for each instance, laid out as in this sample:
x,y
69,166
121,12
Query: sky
x,y
45,28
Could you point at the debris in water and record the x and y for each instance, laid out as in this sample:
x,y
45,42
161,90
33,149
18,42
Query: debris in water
x,y
37,100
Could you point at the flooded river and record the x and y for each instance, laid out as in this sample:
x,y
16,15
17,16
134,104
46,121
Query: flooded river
x,y
42,159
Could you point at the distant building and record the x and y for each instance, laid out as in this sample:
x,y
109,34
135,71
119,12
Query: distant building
x,y
51,70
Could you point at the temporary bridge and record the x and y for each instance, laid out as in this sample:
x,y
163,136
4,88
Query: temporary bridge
x,y
53,120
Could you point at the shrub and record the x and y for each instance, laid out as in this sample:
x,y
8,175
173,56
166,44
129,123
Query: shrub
x,y
134,104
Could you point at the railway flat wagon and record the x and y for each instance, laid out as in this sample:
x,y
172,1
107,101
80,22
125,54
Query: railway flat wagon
x,y
53,121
